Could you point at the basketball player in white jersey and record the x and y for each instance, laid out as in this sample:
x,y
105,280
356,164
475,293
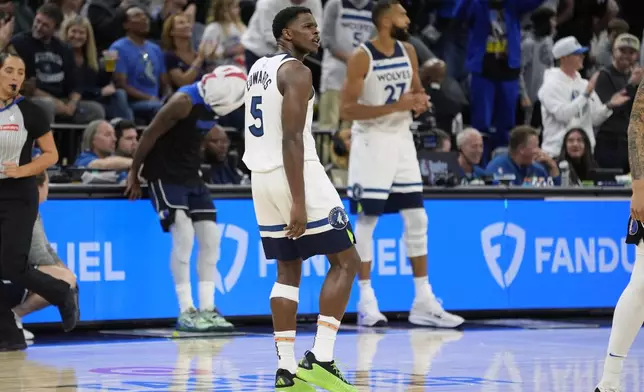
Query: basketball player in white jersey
x,y
298,210
381,91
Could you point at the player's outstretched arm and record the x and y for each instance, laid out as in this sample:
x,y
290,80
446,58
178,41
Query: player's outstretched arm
x,y
177,108
636,153
294,81
350,109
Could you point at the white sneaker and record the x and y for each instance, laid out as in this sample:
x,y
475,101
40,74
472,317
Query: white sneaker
x,y
603,388
368,313
28,334
429,313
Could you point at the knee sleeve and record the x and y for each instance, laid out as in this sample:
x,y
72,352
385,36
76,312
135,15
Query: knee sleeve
x,y
209,237
364,236
415,231
284,291
183,235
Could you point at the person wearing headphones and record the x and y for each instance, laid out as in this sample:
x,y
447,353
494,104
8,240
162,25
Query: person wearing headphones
x,y
469,143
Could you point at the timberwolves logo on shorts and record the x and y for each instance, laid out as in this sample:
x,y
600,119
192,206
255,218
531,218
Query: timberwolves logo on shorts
x,y
633,227
357,192
338,218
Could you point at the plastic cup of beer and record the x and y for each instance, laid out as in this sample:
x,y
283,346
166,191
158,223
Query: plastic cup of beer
x,y
109,58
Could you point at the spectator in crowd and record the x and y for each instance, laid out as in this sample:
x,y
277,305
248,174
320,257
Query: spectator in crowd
x,y
448,98
184,64
524,159
576,151
258,39
127,138
583,19
566,96
341,147
606,44
93,81
494,59
51,63
443,141
107,18
160,15
226,29
98,147
623,75
469,143
347,24
216,152
536,56
18,11
140,69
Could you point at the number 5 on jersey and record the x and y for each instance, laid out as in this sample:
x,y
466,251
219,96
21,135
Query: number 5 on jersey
x,y
256,111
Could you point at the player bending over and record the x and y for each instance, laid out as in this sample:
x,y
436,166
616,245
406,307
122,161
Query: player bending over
x,y
629,312
381,90
171,150
298,210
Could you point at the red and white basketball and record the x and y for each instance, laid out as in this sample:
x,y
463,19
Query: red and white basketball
x,y
223,89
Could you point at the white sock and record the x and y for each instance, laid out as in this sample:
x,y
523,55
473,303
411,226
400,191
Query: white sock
x,y
325,338
627,321
184,294
366,291
206,296
285,343
422,288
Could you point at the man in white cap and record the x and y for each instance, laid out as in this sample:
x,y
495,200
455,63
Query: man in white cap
x,y
566,96
170,147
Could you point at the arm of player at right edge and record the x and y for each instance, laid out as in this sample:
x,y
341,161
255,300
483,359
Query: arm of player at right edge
x,y
422,98
177,108
295,83
636,154
350,109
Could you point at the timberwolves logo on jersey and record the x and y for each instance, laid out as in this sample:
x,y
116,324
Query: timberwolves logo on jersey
x,y
634,235
338,218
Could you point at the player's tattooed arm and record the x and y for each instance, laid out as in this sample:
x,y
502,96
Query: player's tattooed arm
x,y
177,108
636,137
295,82
350,109
416,85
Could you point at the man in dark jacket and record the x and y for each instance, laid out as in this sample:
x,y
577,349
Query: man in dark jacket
x,y
611,150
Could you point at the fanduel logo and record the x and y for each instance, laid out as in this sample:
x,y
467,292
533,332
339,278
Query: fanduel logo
x,y
240,236
492,252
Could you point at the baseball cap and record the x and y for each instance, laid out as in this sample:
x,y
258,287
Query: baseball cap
x,y
566,47
627,41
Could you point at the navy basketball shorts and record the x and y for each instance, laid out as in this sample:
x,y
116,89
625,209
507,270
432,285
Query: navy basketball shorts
x,y
167,198
635,232
328,230
387,185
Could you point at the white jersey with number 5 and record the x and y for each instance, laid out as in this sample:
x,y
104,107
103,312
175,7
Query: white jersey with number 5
x,y
387,79
263,117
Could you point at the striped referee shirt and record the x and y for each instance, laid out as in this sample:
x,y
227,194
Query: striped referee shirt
x,y
21,123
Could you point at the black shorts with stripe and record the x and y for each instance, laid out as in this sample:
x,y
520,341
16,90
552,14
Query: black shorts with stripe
x,y
195,200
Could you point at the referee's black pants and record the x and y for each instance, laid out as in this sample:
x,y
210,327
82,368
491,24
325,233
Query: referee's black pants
x,y
18,212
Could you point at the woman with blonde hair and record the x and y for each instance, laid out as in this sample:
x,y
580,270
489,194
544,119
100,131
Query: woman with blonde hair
x,y
226,28
95,81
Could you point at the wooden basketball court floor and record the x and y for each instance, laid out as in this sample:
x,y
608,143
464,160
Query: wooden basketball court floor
x,y
482,360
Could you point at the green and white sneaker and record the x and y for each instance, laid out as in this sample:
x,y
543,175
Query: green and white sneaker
x,y
323,374
216,322
286,381
192,321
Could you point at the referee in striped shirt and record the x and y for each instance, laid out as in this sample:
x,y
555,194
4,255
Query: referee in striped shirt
x,y
21,124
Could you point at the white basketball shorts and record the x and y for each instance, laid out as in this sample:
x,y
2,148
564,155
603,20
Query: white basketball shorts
x,y
384,174
328,230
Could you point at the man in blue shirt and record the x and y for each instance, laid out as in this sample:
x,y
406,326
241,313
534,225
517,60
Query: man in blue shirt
x,y
469,143
524,160
140,69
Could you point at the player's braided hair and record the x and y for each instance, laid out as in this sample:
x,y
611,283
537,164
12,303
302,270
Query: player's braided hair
x,y
285,17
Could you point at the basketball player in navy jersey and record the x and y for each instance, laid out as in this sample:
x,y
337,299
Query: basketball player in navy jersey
x,y
381,91
298,210
171,149
629,312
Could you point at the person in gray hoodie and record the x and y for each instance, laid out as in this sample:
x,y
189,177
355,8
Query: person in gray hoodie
x,y
536,56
